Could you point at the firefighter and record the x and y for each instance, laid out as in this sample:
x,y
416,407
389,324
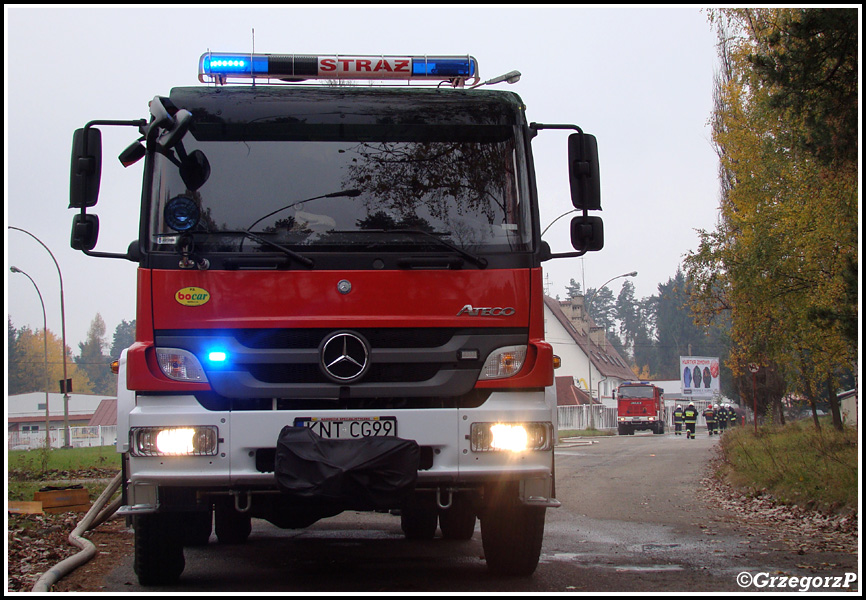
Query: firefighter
x,y
710,418
678,420
722,416
718,416
690,418
732,416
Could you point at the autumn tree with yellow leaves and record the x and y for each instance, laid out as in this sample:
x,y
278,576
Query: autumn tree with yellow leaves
x,y
782,261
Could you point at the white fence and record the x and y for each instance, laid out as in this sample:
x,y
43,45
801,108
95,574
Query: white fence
x,y
602,417
79,437
581,417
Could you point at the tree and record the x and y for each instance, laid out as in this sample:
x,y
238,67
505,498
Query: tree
x,y
779,262
92,359
124,337
26,363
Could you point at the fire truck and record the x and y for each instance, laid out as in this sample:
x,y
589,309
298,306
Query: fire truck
x,y
640,405
339,303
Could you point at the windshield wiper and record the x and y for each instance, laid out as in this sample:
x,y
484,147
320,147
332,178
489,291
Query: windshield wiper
x,y
478,261
307,262
353,193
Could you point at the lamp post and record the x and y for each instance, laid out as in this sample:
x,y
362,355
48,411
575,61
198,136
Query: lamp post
x,y
66,443
45,344
589,361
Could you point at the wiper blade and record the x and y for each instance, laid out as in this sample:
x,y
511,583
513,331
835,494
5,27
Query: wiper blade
x,y
478,261
307,262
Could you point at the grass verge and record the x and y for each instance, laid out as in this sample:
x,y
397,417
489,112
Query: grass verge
x,y
30,470
796,464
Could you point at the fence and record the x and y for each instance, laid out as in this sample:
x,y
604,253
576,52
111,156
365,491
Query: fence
x,y
79,437
603,417
580,417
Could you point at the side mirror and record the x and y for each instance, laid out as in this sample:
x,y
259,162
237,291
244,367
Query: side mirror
x,y
587,234
86,168
583,171
85,231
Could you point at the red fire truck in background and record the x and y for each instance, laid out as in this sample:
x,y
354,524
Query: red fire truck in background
x,y
340,304
640,405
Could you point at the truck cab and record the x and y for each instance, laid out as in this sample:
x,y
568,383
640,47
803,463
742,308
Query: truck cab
x,y
339,304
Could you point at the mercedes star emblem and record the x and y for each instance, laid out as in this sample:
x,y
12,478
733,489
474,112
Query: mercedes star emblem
x,y
345,356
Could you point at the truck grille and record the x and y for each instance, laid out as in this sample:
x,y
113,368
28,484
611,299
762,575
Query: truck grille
x,y
289,363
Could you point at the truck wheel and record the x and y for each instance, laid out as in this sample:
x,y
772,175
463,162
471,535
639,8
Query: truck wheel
x,y
197,527
232,527
511,534
158,548
458,521
418,518
621,430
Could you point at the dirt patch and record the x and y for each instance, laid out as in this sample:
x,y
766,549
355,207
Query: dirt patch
x,y
38,542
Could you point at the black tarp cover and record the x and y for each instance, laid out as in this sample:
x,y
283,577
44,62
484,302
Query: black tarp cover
x,y
358,474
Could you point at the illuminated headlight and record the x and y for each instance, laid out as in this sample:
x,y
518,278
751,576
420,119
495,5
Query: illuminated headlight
x,y
174,441
180,365
503,362
516,437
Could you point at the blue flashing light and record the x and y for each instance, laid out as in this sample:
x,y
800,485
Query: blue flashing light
x,y
444,67
217,356
223,64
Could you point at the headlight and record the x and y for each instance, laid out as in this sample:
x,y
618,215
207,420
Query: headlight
x,y
174,441
516,437
503,362
180,365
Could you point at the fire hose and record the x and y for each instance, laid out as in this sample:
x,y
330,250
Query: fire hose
x,y
94,517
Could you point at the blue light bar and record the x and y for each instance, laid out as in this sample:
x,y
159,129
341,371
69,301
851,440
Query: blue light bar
x,y
218,66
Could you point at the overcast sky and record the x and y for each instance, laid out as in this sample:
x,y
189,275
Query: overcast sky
x,y
639,79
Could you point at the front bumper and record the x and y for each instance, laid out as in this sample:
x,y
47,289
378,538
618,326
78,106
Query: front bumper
x,y
247,442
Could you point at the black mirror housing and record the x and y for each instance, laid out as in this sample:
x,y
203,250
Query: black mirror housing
x,y
85,231
583,171
587,233
86,168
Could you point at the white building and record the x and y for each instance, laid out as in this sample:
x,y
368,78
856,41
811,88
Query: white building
x,y
26,412
587,356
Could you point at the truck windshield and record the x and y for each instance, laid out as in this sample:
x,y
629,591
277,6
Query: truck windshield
x,y
353,194
636,392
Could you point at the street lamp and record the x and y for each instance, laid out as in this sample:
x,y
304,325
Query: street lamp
x,y
589,362
45,344
66,443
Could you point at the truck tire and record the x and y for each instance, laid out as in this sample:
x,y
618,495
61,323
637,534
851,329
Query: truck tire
x,y
418,518
511,535
232,527
621,430
197,527
158,548
458,521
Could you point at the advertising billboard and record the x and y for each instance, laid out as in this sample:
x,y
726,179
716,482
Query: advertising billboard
x,y
699,375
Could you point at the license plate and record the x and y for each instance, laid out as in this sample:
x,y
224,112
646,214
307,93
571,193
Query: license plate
x,y
348,428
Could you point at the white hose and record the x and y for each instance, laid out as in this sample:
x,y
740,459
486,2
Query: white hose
x,y
93,518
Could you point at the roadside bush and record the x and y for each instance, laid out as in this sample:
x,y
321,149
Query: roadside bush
x,y
796,464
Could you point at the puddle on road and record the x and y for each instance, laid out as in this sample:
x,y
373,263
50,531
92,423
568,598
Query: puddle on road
x,y
643,568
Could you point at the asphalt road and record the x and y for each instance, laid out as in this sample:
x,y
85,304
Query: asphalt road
x,y
632,519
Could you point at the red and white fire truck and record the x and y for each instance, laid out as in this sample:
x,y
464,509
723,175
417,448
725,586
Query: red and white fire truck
x,y
640,405
339,303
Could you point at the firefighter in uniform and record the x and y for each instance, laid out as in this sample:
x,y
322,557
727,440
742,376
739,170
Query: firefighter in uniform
x,y
710,418
678,420
718,416
722,416
732,416
690,417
